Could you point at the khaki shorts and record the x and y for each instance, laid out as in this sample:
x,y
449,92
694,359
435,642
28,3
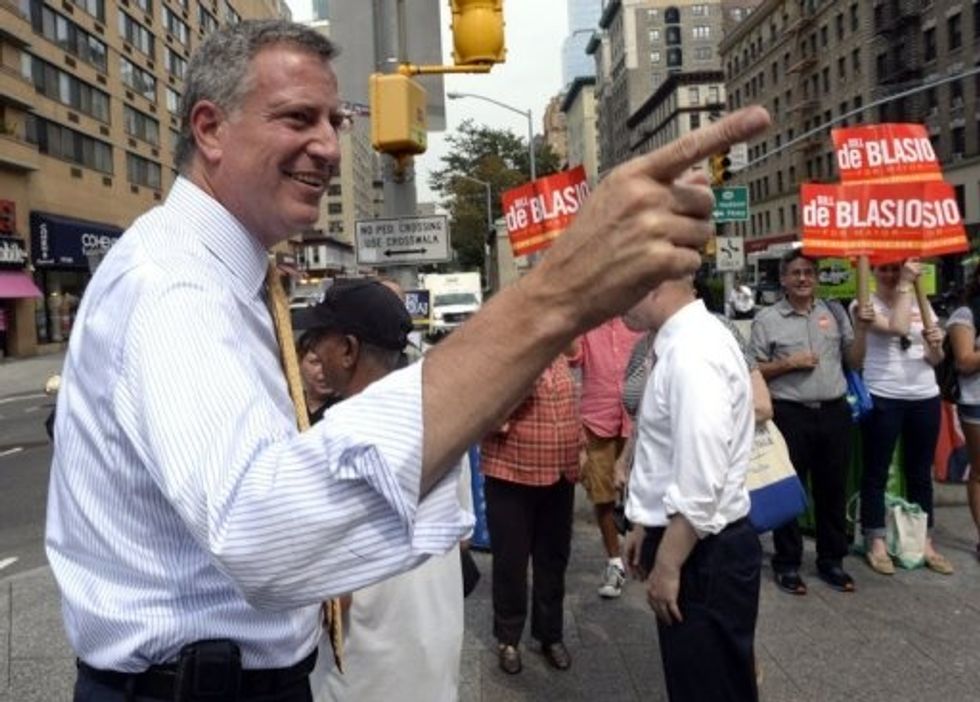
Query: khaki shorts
x,y
596,477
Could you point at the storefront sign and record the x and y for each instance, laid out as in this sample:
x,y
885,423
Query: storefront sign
x,y
63,242
538,212
12,252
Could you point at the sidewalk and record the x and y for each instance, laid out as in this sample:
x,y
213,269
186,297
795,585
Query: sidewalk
x,y
914,636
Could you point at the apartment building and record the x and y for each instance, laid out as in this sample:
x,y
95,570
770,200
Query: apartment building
x,y
640,44
821,63
556,129
89,93
579,107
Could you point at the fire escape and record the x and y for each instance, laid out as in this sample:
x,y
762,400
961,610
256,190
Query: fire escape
x,y
898,58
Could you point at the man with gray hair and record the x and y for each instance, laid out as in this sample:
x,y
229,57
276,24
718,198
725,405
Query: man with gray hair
x,y
192,528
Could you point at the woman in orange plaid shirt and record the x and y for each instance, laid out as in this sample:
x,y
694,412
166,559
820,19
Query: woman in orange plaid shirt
x,y
531,464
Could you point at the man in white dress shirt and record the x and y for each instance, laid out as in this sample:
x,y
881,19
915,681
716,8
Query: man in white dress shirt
x,y
687,496
193,531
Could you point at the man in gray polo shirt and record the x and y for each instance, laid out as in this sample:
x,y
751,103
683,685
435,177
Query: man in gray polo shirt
x,y
800,343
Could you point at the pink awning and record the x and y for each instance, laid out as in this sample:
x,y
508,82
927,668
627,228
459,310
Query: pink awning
x,y
17,284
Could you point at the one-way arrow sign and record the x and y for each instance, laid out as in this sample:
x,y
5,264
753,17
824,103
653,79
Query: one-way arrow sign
x,y
406,241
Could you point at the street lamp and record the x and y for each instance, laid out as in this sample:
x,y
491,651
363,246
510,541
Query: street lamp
x,y
525,113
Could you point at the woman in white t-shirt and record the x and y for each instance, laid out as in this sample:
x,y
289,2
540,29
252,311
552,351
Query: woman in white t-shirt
x,y
898,370
963,332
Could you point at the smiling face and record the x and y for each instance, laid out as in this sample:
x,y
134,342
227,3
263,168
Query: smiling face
x,y
271,159
887,276
314,381
799,280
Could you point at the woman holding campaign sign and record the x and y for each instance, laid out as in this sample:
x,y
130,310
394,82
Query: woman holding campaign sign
x,y
902,350
964,336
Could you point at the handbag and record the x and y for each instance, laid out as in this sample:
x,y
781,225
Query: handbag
x,y
776,493
858,396
906,526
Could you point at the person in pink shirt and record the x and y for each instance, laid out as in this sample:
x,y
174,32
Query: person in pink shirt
x,y
603,355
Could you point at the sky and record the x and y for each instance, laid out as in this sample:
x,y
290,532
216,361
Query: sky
x,y
531,75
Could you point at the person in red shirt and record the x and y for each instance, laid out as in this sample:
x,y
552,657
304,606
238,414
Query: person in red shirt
x,y
604,353
530,465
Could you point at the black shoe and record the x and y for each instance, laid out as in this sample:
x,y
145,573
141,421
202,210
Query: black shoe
x,y
557,655
509,658
791,582
836,577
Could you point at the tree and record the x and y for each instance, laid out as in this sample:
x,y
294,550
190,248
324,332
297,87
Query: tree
x,y
495,156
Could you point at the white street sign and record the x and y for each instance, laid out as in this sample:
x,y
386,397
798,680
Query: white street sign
x,y
738,155
399,242
730,253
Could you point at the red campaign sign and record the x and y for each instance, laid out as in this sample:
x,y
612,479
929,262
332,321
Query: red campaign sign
x,y
885,153
886,221
536,213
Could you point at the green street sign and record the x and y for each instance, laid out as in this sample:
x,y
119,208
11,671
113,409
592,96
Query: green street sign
x,y
731,204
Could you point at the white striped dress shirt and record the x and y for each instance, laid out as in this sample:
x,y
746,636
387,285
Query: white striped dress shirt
x,y
183,503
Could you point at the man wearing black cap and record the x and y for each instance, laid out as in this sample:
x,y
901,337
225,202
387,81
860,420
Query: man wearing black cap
x,y
404,634
363,328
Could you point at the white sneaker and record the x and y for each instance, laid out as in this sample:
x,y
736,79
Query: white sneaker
x,y
612,581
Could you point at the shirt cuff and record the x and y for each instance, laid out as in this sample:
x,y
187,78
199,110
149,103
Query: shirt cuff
x,y
703,518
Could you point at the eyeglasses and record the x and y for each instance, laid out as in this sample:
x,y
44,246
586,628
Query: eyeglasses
x,y
801,273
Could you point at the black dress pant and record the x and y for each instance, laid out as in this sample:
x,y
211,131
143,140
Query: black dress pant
x,y
819,442
529,522
710,655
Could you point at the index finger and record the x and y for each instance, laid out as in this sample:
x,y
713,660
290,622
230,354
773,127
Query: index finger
x,y
669,162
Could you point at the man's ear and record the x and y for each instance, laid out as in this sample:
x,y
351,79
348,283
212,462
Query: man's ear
x,y
352,351
207,123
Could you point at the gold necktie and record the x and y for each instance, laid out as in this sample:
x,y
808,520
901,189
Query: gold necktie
x,y
279,309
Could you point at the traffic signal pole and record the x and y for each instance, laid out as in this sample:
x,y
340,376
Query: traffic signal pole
x,y
398,173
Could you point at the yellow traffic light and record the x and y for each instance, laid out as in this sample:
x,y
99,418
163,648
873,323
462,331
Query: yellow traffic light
x,y
399,122
478,31
719,166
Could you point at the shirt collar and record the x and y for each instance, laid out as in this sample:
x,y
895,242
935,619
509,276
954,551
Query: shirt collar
x,y
683,317
224,236
786,309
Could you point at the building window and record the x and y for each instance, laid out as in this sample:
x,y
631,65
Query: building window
x,y
231,17
68,36
954,31
654,57
958,135
175,63
842,68
839,23
68,145
674,58
929,44
713,95
137,79
96,8
824,36
205,20
702,53
856,60
173,101
51,81
673,35
335,208
956,92
693,96
334,190
145,5
173,24
701,32
695,120
825,75
141,126
699,10
654,36
136,34
855,18
672,15
142,171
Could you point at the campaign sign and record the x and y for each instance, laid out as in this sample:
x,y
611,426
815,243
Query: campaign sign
x,y
417,304
887,221
885,153
536,213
